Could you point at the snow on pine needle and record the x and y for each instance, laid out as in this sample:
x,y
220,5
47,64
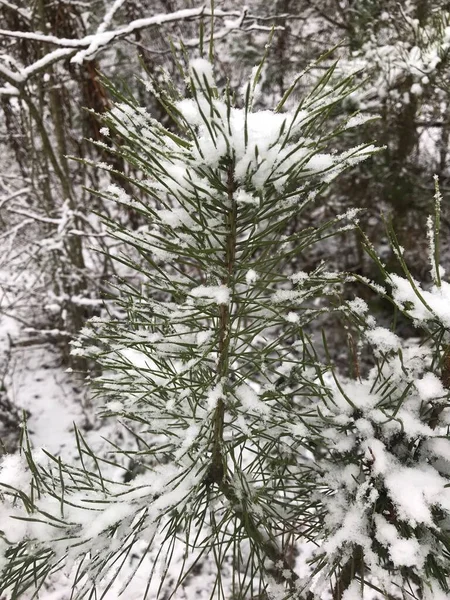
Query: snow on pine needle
x,y
385,471
240,438
384,485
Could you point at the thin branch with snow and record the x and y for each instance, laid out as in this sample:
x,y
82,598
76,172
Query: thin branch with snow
x,y
87,47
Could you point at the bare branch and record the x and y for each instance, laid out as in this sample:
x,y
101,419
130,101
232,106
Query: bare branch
x,y
326,16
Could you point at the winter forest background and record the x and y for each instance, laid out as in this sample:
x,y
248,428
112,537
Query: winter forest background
x,y
224,308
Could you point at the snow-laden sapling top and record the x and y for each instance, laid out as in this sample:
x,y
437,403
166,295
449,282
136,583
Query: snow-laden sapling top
x,y
205,360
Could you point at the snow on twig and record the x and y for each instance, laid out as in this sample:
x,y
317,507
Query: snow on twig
x,y
13,195
34,216
20,77
87,47
12,231
102,39
109,15
9,90
229,27
9,75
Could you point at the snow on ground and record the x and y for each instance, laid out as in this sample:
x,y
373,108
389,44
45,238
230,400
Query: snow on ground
x,y
36,382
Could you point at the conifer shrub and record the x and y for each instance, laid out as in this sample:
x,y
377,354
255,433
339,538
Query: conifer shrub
x,y
258,470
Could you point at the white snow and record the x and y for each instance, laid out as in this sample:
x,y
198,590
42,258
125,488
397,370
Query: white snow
x,y
416,89
430,387
358,306
353,592
267,145
383,339
293,317
403,552
422,305
220,294
358,120
250,400
202,70
251,276
439,447
14,471
415,490
214,395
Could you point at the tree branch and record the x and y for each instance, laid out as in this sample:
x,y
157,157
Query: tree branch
x,y
85,48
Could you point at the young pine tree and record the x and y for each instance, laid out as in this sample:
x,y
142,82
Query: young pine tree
x,y
246,446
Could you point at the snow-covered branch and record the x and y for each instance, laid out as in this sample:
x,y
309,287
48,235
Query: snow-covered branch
x,y
34,216
17,79
109,15
13,195
87,47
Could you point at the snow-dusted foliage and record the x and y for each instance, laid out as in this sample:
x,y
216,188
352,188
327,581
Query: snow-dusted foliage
x,y
405,53
247,445
384,473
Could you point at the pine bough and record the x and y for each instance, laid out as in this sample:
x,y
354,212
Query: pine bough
x,y
248,446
